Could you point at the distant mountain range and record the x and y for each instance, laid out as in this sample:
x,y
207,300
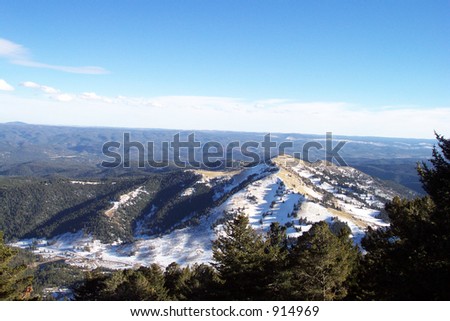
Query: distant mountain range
x,y
76,152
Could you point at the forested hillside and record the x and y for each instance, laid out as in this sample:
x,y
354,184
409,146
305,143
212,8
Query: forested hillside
x,y
38,207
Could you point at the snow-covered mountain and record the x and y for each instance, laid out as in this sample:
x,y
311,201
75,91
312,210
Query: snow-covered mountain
x,y
289,191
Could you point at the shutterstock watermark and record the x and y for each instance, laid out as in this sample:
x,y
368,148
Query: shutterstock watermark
x,y
192,153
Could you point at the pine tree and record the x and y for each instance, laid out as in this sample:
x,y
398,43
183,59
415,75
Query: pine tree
x,y
320,264
175,281
203,283
94,287
411,259
240,258
143,284
198,282
277,243
277,251
436,179
14,285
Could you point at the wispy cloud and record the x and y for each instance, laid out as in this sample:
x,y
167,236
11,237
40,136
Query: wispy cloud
x,y
43,88
63,97
94,97
12,51
5,86
50,92
20,55
91,70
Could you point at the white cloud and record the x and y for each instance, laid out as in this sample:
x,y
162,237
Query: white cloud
x,y
93,96
11,50
90,95
63,97
58,95
43,88
5,86
92,70
19,55
30,84
49,90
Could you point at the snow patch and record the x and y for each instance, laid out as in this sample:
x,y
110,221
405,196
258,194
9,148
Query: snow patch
x,y
124,199
188,191
85,183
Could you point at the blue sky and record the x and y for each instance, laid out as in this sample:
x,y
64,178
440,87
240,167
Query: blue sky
x,y
378,68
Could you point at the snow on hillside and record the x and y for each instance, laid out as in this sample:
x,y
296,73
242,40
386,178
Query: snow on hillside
x,y
188,192
211,178
294,196
265,201
85,183
124,200
256,172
